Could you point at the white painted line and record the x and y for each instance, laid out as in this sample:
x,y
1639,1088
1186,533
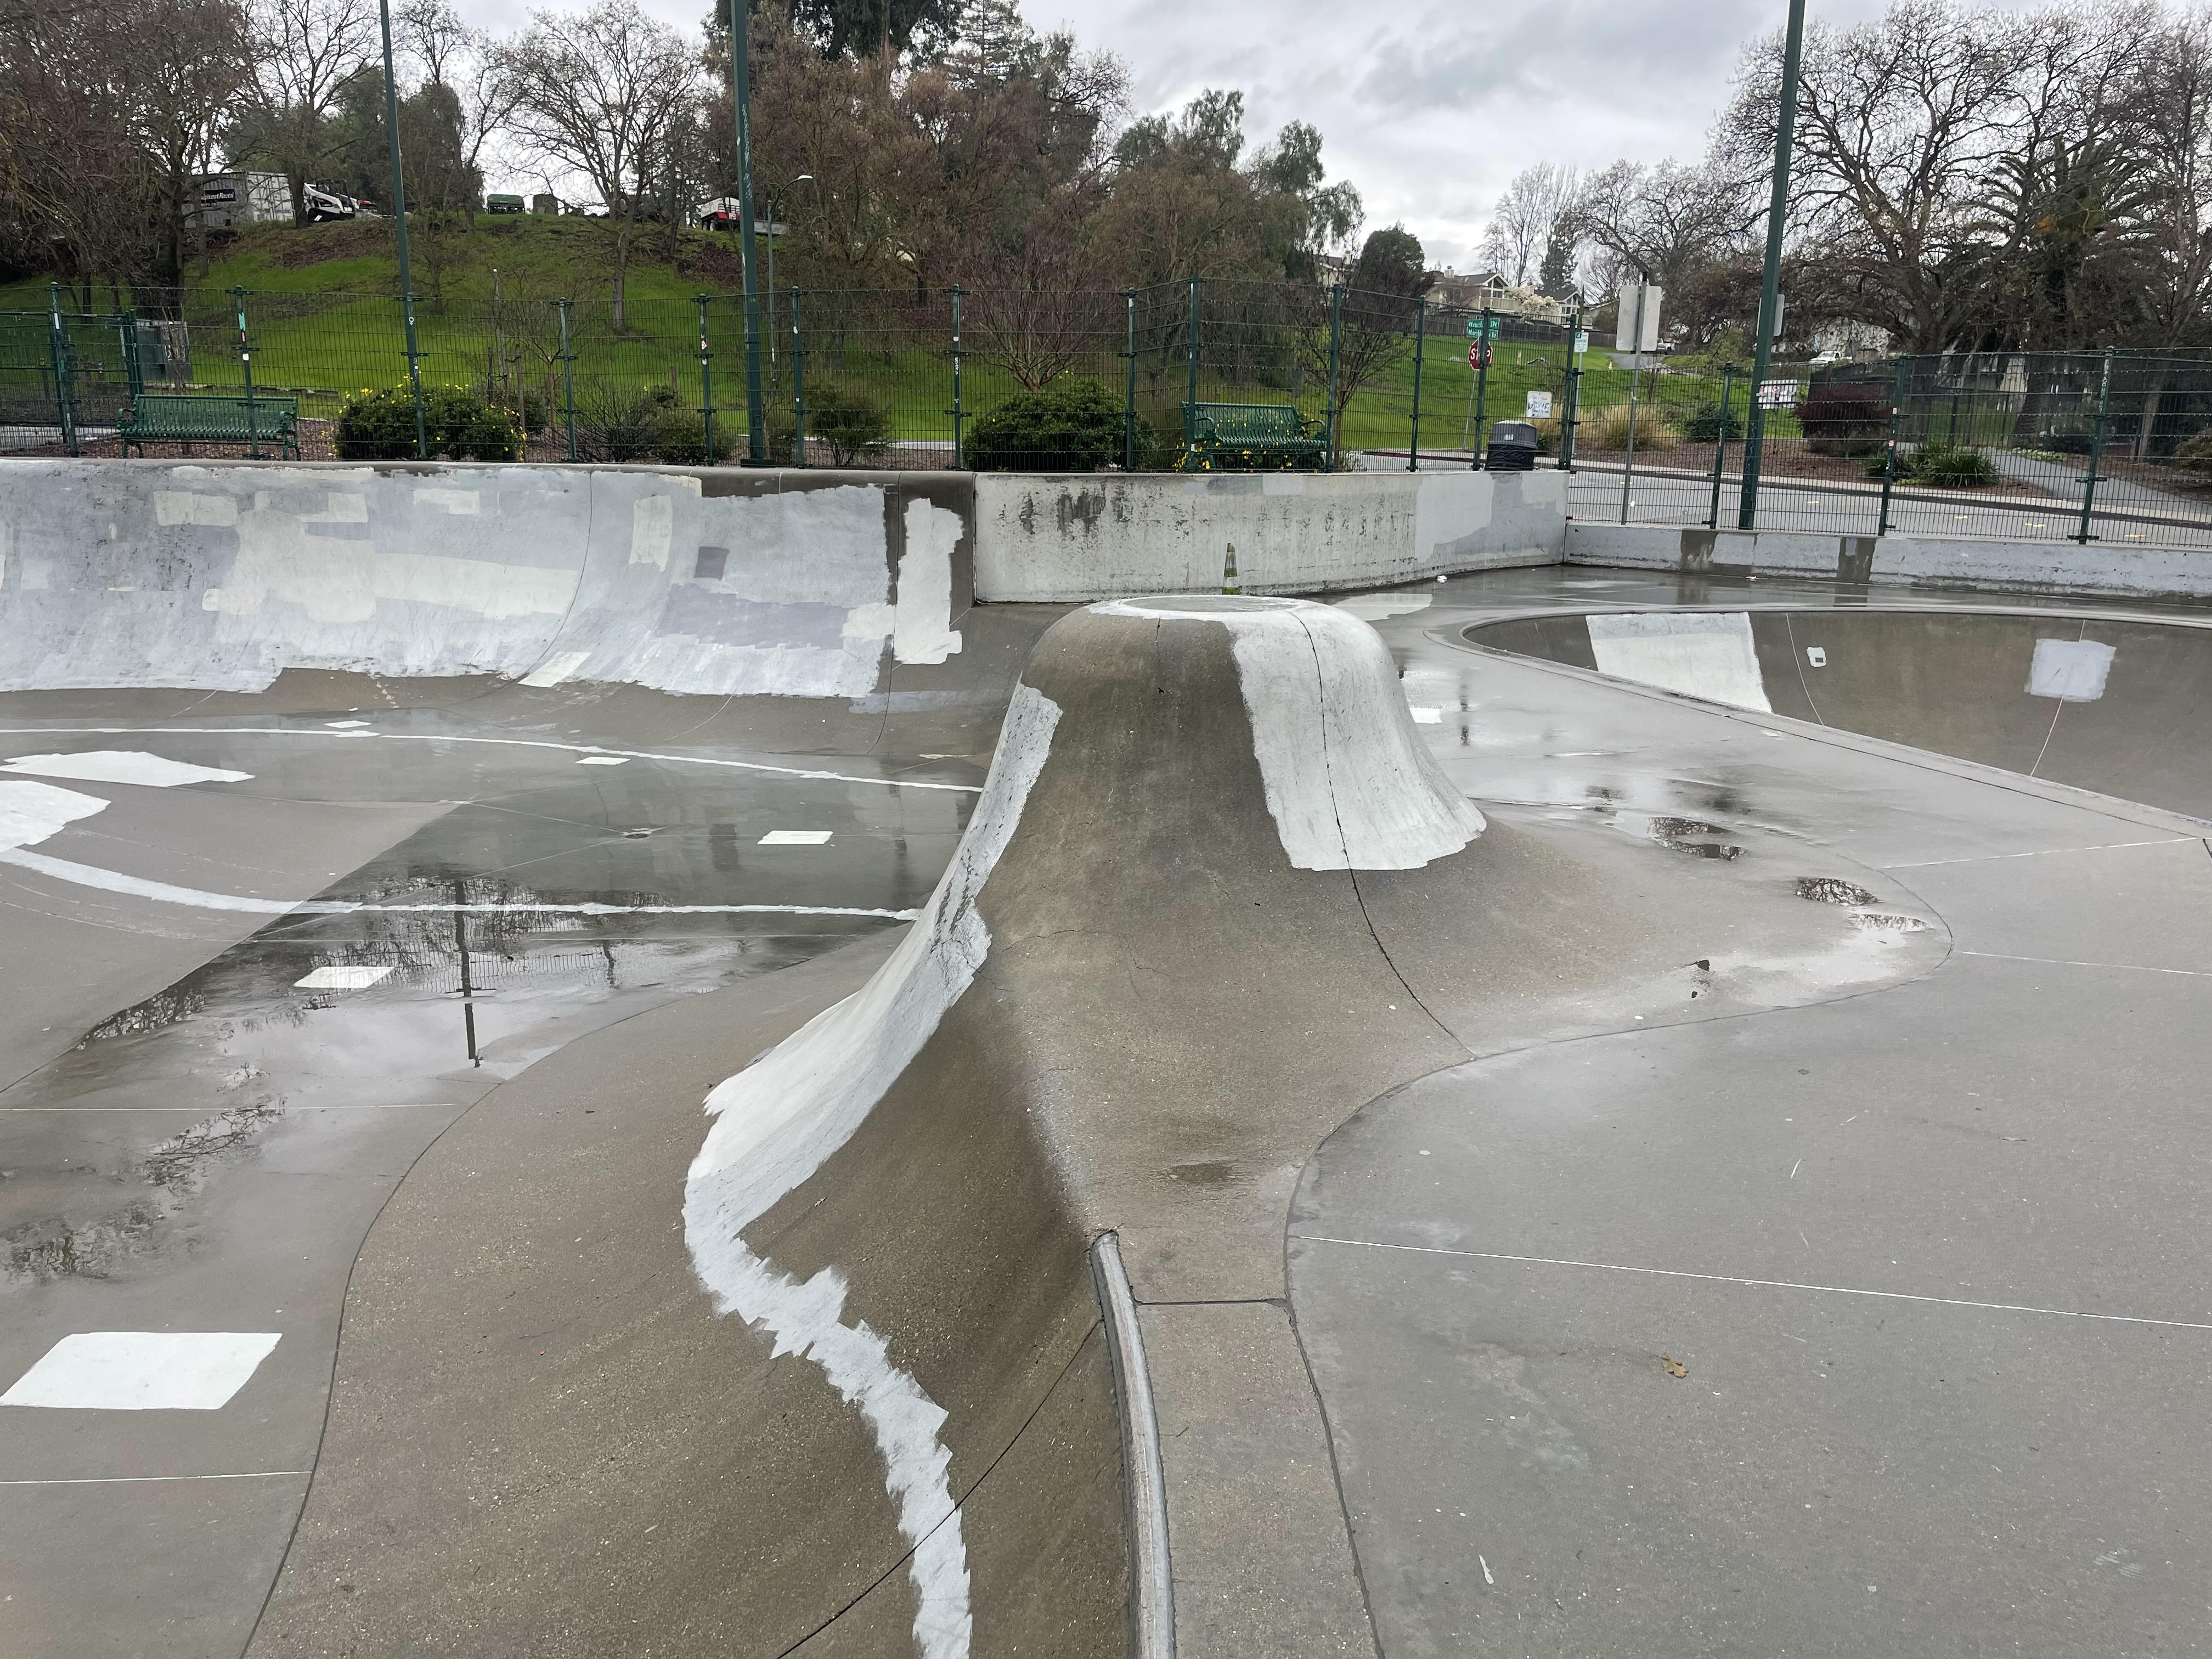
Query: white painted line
x,y
122,766
112,881
603,760
147,1480
1761,1283
796,837
345,725
342,977
1425,716
509,743
2040,853
142,1371
2060,962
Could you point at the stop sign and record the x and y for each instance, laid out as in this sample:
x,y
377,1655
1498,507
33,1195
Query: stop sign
x,y
1478,353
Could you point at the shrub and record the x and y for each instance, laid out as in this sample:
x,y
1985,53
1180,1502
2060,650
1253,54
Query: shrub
x,y
457,425
1608,429
853,424
678,437
1072,425
1711,424
618,425
1945,466
1845,417
2195,454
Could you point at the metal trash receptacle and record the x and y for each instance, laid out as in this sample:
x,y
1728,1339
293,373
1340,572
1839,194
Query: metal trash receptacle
x,y
1512,448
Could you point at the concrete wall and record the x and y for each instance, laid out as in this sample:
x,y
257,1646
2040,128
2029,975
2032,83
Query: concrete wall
x,y
1063,537
221,575
2033,567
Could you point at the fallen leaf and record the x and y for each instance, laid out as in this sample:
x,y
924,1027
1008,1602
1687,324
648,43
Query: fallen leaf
x,y
1674,1367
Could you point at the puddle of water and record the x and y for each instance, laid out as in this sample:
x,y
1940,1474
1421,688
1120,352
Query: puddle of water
x,y
1833,890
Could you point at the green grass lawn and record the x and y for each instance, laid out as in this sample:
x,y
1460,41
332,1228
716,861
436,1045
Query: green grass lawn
x,y
321,323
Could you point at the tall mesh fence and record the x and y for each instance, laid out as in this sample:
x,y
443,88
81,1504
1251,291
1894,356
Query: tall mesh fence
x,y
1208,375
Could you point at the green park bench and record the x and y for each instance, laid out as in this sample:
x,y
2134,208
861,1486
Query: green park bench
x,y
1250,438
199,417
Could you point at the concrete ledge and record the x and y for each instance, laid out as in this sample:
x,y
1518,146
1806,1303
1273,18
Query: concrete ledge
x,y
1076,537
2141,572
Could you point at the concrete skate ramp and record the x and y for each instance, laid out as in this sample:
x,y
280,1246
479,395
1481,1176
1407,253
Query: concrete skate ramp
x,y
398,584
838,1386
2120,705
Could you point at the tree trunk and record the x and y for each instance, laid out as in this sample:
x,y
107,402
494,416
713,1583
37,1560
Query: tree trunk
x,y
621,273
296,179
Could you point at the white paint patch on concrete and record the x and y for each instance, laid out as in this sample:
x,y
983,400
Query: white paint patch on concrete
x,y
2072,671
1374,607
183,507
796,837
142,1371
651,527
924,631
603,760
1707,654
1350,784
778,1120
555,669
342,976
122,766
462,504
29,813
1424,715
345,725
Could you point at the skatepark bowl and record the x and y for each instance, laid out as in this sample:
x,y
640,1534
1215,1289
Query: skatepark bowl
x,y
634,1072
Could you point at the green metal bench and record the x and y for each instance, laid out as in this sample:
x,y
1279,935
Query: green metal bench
x,y
1250,438
199,417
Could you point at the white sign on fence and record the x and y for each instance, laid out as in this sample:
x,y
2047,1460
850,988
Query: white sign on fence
x,y
1540,406
1632,298
1778,394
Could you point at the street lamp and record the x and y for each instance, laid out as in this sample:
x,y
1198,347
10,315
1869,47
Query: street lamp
x,y
1770,293
741,118
399,219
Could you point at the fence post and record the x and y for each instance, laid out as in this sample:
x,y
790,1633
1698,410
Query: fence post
x,y
957,415
1482,389
706,386
414,372
1129,392
798,387
65,383
567,378
2096,449
246,362
1572,391
1420,337
1336,332
1720,444
1889,450
1190,353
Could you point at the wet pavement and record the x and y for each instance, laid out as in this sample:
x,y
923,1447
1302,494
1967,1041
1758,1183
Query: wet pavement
x,y
1822,1280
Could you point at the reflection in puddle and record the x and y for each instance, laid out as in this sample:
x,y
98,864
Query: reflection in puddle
x,y
1832,890
1687,835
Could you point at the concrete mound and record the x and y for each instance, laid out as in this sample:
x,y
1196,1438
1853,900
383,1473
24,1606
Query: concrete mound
x,y
1217,896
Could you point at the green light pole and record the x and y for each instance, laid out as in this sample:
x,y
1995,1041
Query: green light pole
x,y
399,219
741,99
1770,294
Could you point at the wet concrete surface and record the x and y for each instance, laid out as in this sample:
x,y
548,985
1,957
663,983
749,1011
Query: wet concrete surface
x,y
1874,1324
193,1141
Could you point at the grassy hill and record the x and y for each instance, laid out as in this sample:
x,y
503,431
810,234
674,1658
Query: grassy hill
x,y
323,322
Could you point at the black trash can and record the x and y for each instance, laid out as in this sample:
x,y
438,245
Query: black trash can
x,y
1512,448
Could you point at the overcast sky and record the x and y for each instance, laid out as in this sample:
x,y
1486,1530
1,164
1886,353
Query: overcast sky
x,y
1428,108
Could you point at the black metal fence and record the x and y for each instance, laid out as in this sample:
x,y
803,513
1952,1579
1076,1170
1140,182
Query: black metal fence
x,y
2107,445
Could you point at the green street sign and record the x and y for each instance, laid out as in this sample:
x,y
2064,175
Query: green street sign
x,y
1482,328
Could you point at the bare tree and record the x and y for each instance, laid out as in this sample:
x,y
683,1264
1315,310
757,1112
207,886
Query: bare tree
x,y
468,63
1541,194
304,54
1668,221
601,93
